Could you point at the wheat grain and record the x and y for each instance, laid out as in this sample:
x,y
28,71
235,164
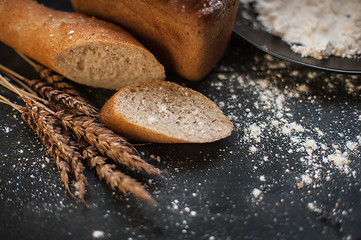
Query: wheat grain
x,y
106,142
65,134
61,164
51,93
113,177
48,128
51,77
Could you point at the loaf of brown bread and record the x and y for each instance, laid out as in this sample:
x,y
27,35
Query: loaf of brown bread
x,y
84,49
165,112
187,36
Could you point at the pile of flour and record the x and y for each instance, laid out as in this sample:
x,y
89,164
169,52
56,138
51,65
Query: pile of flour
x,y
314,28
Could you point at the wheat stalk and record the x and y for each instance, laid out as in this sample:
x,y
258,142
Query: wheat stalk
x,y
54,128
51,77
62,165
106,171
103,139
67,149
113,177
106,142
53,94
48,128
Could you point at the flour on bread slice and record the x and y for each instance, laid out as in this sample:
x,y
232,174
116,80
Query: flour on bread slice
x,y
165,112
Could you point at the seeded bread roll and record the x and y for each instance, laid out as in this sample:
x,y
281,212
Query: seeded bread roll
x,y
83,49
187,36
165,112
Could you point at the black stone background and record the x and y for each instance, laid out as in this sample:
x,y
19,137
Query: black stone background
x,y
214,180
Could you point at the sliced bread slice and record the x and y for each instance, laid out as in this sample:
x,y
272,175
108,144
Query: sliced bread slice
x,y
165,112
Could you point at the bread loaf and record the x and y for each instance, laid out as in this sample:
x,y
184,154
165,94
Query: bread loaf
x,y
83,49
165,112
187,36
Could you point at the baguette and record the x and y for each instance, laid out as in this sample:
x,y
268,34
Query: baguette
x,y
84,49
164,112
187,36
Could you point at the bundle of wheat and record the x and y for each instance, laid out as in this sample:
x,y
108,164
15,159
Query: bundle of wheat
x,y
67,125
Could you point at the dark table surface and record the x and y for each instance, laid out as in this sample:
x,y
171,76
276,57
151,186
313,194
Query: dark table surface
x,y
290,170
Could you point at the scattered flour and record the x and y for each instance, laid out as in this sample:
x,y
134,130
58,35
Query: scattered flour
x,y
351,145
256,193
306,179
289,127
314,28
312,207
339,159
262,178
253,149
211,5
255,131
98,234
273,123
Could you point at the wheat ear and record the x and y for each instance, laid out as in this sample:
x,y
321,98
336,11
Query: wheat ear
x,y
106,142
114,177
53,94
66,152
48,128
51,77
61,164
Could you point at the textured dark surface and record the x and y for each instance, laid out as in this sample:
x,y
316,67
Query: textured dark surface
x,y
248,186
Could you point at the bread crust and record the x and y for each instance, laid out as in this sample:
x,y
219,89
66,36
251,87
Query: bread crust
x,y
187,36
43,34
116,121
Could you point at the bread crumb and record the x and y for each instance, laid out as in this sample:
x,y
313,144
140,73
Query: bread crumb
x,y
222,76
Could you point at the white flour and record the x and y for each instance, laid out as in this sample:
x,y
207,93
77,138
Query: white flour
x,y
304,146
314,28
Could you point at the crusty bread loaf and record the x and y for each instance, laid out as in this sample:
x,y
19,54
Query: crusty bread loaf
x,y
187,36
83,49
165,112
